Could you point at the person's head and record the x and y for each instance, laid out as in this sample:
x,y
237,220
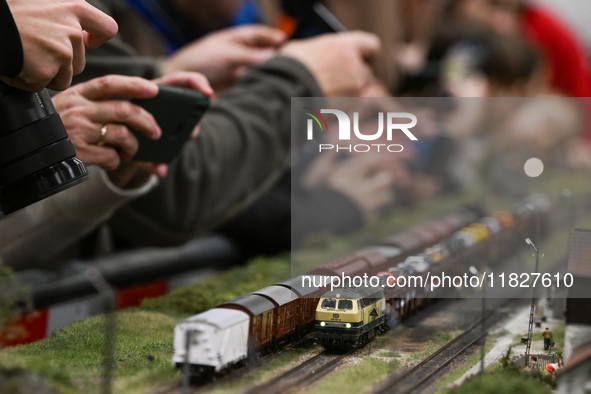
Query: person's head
x,y
560,362
208,14
534,359
547,328
514,69
500,15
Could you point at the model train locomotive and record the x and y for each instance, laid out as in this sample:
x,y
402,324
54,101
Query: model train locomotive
x,y
350,316
242,329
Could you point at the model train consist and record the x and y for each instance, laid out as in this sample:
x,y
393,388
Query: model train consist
x,y
343,318
242,329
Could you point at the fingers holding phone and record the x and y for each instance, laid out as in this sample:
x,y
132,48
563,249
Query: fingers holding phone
x,y
177,110
187,79
98,126
110,133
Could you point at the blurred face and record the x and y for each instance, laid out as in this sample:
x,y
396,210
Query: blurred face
x,y
209,14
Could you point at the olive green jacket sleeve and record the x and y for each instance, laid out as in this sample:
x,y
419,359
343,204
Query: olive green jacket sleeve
x,y
242,148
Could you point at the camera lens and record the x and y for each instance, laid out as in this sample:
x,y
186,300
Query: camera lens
x,y
37,159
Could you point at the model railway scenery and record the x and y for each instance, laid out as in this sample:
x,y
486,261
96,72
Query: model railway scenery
x,y
295,197
239,330
308,332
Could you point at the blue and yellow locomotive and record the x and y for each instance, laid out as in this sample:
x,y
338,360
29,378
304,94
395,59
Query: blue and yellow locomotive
x,y
347,317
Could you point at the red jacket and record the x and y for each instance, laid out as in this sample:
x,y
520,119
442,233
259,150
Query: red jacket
x,y
569,66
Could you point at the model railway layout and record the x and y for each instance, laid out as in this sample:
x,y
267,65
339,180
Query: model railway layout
x,y
239,331
428,370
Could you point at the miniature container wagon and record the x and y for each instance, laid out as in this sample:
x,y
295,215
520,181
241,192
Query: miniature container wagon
x,y
261,311
406,241
214,340
426,234
286,313
308,297
348,266
457,220
377,261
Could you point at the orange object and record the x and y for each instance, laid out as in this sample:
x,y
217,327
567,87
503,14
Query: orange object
x,y
286,24
505,218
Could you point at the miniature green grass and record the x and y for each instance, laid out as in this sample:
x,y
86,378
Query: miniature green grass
x,y
388,354
431,348
358,378
444,337
226,286
501,382
73,356
379,341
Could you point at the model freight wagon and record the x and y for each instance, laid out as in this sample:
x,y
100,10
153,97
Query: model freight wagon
x,y
212,340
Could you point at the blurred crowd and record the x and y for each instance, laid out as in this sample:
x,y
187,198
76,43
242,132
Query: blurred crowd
x,y
493,83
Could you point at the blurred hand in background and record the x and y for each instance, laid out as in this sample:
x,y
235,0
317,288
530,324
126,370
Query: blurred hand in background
x,y
224,56
340,62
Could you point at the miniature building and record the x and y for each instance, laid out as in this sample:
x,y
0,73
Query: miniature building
x,y
578,304
575,378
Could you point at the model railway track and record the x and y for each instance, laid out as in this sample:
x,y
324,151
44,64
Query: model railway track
x,y
206,385
303,374
427,371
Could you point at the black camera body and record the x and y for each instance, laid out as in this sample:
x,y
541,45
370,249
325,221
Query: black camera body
x,y
37,160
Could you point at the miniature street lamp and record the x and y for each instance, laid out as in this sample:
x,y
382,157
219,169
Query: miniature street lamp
x,y
533,168
474,271
533,303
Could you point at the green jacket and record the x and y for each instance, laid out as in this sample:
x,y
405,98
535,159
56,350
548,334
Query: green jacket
x,y
242,148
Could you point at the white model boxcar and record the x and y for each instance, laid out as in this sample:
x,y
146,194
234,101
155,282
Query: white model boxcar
x,y
218,338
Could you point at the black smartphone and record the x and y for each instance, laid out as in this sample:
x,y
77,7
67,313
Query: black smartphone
x,y
177,111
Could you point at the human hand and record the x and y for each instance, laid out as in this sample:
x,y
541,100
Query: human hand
x,y
224,56
339,62
86,108
129,170
189,80
54,35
